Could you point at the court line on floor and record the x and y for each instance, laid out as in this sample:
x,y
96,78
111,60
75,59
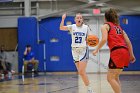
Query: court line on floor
x,y
62,89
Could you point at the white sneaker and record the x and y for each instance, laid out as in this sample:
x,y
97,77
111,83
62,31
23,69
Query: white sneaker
x,y
89,90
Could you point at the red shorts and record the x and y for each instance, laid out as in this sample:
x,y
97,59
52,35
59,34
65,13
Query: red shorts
x,y
119,58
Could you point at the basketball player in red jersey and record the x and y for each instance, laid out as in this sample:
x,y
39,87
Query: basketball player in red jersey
x,y
121,51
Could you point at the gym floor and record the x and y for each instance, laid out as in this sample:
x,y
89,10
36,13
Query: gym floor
x,y
66,83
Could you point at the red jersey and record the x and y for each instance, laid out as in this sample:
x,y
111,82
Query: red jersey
x,y
115,36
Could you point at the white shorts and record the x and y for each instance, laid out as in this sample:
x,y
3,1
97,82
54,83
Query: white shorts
x,y
80,54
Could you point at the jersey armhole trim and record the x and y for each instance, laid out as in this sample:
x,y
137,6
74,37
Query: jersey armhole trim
x,y
109,27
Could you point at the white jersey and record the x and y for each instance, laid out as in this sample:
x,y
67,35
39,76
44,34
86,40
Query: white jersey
x,y
78,34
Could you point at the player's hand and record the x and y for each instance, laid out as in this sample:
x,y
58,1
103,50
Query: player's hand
x,y
95,52
132,59
64,16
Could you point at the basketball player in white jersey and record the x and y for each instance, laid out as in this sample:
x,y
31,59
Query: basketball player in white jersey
x,y
79,32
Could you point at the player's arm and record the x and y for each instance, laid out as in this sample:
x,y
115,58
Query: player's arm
x,y
104,30
62,27
130,48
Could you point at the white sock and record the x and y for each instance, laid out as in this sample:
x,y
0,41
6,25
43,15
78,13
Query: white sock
x,y
89,85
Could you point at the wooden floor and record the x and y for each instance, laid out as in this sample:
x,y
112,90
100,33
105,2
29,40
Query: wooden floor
x,y
66,83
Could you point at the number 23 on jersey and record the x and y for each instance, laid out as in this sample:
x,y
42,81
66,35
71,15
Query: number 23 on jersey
x,y
78,39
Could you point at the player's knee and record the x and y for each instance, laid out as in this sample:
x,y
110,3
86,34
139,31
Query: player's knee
x,y
108,78
25,63
37,61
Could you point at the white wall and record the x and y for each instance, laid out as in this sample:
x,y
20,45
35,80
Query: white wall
x,y
97,63
8,22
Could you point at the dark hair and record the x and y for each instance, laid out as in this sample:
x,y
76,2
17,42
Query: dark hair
x,y
28,46
111,16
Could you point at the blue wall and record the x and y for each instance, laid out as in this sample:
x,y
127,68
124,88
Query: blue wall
x,y
48,29
27,28
133,32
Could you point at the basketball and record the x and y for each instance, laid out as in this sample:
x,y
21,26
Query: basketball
x,y
92,40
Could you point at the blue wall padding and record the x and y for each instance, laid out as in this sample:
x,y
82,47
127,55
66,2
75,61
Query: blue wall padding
x,y
48,28
133,32
27,31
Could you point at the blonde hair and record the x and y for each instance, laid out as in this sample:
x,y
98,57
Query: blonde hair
x,y
81,15
78,14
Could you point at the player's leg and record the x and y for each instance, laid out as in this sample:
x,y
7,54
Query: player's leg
x,y
25,63
8,66
35,65
118,60
79,57
118,79
113,79
81,67
3,65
